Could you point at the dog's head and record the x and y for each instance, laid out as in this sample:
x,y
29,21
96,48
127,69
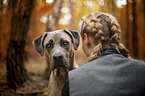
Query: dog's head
x,y
58,47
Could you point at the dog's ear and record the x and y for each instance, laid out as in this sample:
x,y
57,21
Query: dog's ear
x,y
75,36
39,43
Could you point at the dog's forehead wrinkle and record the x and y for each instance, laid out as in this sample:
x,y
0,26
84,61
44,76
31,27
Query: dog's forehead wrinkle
x,y
50,38
63,35
57,35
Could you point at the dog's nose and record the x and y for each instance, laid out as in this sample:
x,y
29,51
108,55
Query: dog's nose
x,y
57,57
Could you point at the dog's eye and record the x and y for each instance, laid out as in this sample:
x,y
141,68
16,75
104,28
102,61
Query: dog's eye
x,y
65,43
48,45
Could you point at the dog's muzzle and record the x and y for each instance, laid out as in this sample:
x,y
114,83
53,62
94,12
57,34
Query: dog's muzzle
x,y
58,60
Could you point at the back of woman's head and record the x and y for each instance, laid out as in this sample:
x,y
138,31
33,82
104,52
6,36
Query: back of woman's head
x,y
105,30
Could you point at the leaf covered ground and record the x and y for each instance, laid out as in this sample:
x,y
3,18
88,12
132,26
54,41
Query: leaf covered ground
x,y
35,86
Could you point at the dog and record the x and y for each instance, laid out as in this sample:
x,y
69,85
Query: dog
x,y
58,47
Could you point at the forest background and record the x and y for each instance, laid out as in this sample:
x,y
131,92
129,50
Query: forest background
x,y
23,20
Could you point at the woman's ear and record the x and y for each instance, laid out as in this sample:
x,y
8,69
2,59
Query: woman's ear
x,y
86,40
85,35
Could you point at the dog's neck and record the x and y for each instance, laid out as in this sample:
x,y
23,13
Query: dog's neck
x,y
58,78
56,81
72,62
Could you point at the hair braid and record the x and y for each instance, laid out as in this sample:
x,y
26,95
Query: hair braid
x,y
106,30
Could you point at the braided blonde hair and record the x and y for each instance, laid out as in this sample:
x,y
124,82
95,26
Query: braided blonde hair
x,y
105,30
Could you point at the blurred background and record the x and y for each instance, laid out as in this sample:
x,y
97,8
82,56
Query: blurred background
x,y
21,21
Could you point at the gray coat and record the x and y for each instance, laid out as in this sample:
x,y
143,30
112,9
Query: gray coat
x,y
109,75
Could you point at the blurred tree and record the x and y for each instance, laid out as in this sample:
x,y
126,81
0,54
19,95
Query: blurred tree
x,y
1,6
111,6
134,31
16,72
143,2
127,24
1,10
51,24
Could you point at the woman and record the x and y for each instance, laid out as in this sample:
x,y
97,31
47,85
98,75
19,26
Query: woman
x,y
110,71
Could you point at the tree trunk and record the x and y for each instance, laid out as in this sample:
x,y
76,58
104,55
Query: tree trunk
x,y
1,11
71,12
51,24
144,11
16,72
113,7
134,32
1,6
127,24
